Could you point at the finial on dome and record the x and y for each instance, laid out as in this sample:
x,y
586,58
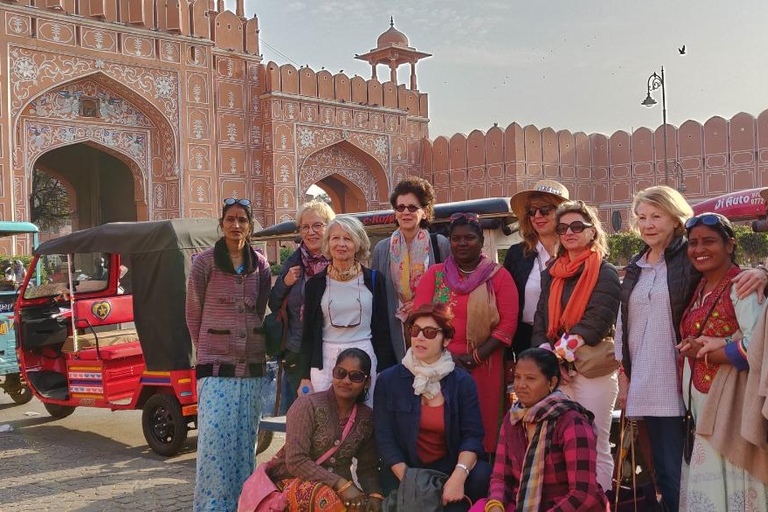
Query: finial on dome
x,y
391,21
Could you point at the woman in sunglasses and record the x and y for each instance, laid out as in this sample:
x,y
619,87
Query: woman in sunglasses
x,y
226,300
324,432
576,314
484,302
345,306
726,472
427,413
305,262
658,285
403,258
525,261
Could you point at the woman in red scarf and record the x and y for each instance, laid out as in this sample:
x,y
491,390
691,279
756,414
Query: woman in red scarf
x,y
483,297
576,316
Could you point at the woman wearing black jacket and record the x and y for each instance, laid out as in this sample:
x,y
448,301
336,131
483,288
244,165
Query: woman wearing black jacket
x,y
526,260
345,306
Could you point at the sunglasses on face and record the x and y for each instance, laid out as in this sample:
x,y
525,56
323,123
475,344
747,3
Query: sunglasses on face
x,y
707,219
470,217
429,332
410,207
543,211
355,376
232,201
316,227
576,227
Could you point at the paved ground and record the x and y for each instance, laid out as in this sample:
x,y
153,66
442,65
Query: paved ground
x,y
91,461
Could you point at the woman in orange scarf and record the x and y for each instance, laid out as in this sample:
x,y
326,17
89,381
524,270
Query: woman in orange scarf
x,y
576,316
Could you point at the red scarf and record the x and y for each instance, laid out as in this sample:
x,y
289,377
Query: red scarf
x,y
563,268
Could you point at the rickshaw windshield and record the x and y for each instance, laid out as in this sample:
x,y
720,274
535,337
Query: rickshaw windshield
x,y
90,273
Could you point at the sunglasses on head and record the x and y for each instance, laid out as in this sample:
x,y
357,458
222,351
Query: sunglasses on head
x,y
232,201
429,332
707,219
470,217
576,226
410,207
543,210
355,376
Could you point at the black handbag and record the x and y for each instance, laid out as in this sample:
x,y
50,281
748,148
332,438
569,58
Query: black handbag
x,y
276,330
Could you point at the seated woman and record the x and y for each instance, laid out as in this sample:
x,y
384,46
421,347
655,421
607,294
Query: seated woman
x,y
546,455
316,423
427,413
726,472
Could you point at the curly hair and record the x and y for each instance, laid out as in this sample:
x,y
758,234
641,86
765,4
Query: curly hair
x,y
423,191
600,242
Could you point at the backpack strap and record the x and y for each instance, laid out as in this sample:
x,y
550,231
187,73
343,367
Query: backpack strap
x,y
436,247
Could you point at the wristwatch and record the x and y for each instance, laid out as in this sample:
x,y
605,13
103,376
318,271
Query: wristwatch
x,y
464,467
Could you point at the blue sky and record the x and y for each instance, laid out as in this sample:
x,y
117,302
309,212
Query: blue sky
x,y
577,65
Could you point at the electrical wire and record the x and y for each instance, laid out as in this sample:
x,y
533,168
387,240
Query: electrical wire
x,y
278,51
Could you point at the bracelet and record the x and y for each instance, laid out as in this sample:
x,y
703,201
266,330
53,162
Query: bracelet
x,y
344,487
376,495
464,467
493,503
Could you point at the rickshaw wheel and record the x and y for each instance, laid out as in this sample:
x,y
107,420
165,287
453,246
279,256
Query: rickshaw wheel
x,y
165,428
59,411
17,388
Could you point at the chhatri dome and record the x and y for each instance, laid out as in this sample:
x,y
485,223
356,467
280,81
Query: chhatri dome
x,y
392,36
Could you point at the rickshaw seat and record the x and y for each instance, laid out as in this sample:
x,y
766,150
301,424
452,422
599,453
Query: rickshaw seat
x,y
111,310
111,352
106,339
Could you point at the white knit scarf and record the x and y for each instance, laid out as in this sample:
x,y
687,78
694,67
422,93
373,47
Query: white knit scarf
x,y
427,377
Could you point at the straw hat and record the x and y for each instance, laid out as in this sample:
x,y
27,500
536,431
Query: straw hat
x,y
556,190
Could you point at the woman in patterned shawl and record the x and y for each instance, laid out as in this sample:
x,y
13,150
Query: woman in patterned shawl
x,y
483,297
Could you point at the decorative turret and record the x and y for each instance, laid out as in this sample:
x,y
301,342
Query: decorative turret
x,y
393,49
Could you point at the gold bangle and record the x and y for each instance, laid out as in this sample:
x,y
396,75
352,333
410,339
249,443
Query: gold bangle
x,y
376,495
344,487
493,503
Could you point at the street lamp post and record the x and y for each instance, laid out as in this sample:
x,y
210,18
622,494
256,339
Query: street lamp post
x,y
655,82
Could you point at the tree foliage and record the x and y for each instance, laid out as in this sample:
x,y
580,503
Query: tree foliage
x,y
49,202
623,246
752,248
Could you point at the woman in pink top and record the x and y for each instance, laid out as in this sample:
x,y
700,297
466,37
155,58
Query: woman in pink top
x,y
484,300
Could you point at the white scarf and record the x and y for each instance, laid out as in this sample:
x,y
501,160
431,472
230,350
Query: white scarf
x,y
427,377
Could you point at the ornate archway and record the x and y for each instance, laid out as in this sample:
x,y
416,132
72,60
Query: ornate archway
x,y
353,179
128,112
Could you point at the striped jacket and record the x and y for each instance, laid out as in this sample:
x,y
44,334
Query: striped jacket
x,y
225,312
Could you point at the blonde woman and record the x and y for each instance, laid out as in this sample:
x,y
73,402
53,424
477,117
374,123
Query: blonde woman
x,y
306,261
345,306
579,301
657,287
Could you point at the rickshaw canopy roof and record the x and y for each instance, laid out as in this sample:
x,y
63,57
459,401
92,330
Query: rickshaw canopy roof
x,y
10,228
160,256
136,237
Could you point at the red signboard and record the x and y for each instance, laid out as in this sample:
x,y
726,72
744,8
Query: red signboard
x,y
737,206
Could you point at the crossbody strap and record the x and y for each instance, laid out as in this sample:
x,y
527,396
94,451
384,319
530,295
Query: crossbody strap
x,y
344,434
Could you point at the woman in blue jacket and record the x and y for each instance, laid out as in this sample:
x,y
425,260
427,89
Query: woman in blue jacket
x,y
427,414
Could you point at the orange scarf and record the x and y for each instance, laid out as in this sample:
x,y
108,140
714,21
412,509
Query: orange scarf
x,y
562,269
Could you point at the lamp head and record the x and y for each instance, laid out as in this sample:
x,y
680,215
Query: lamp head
x,y
648,101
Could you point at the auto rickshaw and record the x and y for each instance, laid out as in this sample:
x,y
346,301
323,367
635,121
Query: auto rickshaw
x,y
13,384
100,323
500,231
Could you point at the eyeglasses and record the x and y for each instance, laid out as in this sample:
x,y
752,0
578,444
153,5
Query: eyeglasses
x,y
232,201
706,219
355,376
429,332
543,210
410,207
576,227
316,227
470,217
330,310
